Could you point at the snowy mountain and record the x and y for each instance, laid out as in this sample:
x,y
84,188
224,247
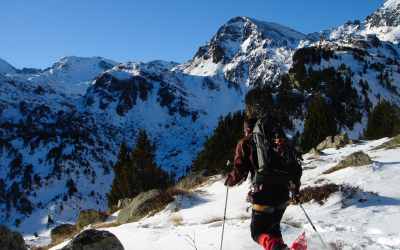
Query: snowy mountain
x,y
6,68
382,24
66,123
248,52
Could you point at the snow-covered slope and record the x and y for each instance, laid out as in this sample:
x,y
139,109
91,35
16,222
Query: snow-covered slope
x,y
68,121
247,52
364,221
383,24
6,68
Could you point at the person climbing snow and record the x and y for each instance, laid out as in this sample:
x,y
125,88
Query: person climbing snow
x,y
270,195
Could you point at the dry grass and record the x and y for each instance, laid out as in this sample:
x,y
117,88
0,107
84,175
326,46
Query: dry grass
x,y
338,245
244,216
320,180
392,147
334,169
104,225
64,237
212,219
294,224
176,219
309,168
289,221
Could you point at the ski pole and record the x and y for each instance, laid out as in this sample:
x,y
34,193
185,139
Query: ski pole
x,y
226,202
312,224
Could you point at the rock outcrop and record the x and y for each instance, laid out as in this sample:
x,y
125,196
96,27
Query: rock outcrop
x,y
355,159
192,179
392,143
138,208
94,240
333,142
60,231
88,216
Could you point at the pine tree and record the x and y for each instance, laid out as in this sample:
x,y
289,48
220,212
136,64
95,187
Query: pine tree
x,y
320,123
118,182
384,121
220,147
137,172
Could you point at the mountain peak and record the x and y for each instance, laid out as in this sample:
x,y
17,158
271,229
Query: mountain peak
x,y
6,68
386,16
74,63
267,30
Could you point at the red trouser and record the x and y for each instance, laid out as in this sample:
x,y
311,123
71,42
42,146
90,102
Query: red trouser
x,y
267,241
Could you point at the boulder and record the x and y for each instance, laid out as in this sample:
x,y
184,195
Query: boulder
x,y
355,159
124,202
333,142
93,240
138,208
315,152
61,231
89,216
392,143
192,179
11,240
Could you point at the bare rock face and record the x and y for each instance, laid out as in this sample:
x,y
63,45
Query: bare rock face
x,y
356,159
124,202
315,152
88,216
392,143
60,230
93,240
192,179
138,208
333,142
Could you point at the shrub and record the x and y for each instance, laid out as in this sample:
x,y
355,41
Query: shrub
x,y
318,194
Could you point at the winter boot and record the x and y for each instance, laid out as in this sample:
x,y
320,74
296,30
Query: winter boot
x,y
280,246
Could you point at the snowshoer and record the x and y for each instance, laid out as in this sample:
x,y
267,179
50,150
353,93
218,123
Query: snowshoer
x,y
269,200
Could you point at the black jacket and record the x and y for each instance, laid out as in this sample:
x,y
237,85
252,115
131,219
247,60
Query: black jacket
x,y
246,161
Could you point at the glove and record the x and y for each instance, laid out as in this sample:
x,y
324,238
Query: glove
x,y
227,179
295,197
295,194
249,197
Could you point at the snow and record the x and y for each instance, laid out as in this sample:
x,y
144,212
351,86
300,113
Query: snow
x,y
370,225
6,68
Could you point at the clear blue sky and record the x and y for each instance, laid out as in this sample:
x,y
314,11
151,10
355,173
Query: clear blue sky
x,y
38,33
